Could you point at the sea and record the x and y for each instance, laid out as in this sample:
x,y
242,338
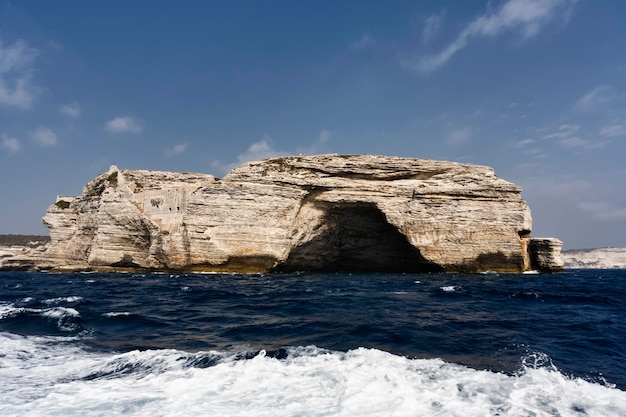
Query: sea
x,y
313,344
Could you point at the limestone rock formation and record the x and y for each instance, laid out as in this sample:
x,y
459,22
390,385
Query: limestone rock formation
x,y
599,258
21,252
325,212
545,254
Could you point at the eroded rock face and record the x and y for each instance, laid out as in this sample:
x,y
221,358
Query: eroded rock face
x,y
326,212
545,254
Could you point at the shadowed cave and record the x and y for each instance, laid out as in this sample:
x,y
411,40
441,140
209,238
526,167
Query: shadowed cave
x,y
357,237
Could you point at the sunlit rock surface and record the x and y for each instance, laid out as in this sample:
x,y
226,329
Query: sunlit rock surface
x,y
325,213
599,258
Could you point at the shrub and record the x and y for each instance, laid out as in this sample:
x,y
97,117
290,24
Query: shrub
x,y
113,179
62,204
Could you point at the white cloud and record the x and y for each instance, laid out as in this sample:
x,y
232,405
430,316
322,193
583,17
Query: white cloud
x,y
16,88
364,42
44,136
257,151
524,143
123,124
612,130
575,142
535,153
567,137
598,97
527,17
176,150
432,24
12,145
71,110
565,131
458,137
263,149
532,151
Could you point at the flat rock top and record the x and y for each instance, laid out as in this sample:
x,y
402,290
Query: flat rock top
x,y
358,170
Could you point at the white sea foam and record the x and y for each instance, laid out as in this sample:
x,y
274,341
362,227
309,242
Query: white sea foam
x,y
9,310
58,300
449,288
61,314
117,314
44,376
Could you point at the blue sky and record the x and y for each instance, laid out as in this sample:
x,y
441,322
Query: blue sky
x,y
534,88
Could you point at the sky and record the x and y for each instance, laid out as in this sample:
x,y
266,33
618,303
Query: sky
x,y
535,89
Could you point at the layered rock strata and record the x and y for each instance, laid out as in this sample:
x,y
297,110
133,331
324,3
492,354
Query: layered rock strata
x,y
324,213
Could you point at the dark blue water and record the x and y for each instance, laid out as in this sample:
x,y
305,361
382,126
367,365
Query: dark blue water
x,y
574,321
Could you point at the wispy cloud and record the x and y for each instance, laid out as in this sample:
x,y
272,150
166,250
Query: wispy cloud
x,y
12,145
364,42
71,110
527,17
575,142
528,147
525,142
123,124
324,136
613,130
44,136
595,99
16,87
565,131
432,25
568,137
458,137
176,150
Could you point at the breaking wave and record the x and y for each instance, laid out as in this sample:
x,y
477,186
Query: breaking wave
x,y
52,376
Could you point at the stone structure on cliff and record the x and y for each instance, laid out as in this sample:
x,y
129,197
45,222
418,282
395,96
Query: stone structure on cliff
x,y
325,212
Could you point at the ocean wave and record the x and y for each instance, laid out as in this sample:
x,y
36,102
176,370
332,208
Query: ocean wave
x,y
50,376
65,317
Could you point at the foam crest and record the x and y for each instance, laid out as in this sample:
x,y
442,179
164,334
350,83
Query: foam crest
x,y
58,300
59,312
44,376
117,314
65,316
9,310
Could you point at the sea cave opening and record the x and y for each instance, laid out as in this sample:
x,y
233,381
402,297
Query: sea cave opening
x,y
357,237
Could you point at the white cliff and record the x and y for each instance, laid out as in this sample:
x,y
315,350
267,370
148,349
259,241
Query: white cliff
x,y
599,258
325,212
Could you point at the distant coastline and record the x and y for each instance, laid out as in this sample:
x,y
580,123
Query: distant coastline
x,y
596,258
23,240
